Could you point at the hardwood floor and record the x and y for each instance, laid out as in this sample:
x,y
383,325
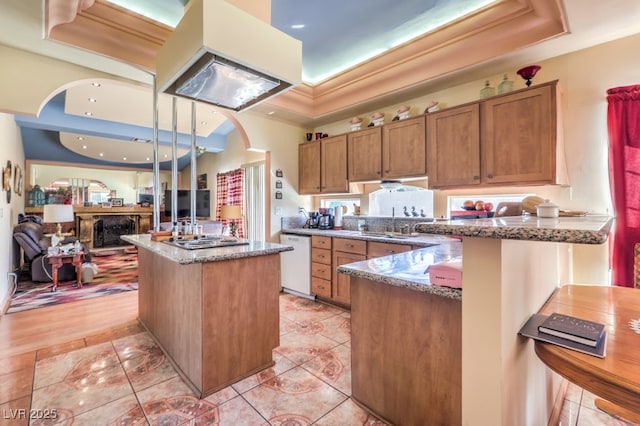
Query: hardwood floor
x,y
38,328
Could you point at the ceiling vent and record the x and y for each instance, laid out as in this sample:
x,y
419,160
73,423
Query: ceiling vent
x,y
223,56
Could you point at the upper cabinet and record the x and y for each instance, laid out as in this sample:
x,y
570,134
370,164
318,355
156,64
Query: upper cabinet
x,y
322,166
510,139
365,154
404,148
454,146
519,137
309,168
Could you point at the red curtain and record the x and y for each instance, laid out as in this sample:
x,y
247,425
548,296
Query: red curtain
x,y
623,121
230,191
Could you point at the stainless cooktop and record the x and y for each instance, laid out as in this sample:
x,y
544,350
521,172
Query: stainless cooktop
x,y
206,243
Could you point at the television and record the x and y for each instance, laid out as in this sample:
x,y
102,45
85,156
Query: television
x,y
145,198
203,203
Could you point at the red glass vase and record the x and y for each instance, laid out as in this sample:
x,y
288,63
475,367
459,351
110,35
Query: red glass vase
x,y
528,73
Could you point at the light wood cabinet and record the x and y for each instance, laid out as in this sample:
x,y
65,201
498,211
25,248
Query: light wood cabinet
x,y
321,272
519,137
322,166
309,168
333,162
345,251
365,154
404,148
510,139
453,147
377,249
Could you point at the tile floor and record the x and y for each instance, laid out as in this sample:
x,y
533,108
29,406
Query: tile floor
x,y
121,377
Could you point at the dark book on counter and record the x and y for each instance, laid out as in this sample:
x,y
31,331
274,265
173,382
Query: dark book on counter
x,y
530,329
572,328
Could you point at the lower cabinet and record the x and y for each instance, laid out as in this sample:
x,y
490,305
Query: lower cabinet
x,y
328,253
321,272
345,251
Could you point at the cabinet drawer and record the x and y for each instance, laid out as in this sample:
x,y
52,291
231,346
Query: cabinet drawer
x,y
320,242
321,287
321,270
377,249
321,256
350,246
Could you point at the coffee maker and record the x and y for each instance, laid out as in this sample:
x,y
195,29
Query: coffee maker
x,y
312,221
325,221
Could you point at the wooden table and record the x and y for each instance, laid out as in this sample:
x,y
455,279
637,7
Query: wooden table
x,y
615,379
57,260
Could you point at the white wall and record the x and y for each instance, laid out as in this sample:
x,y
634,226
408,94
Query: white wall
x,y
11,151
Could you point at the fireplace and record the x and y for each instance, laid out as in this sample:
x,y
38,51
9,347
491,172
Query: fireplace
x,y
108,229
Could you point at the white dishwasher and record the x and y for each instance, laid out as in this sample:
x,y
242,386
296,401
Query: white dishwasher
x,y
295,266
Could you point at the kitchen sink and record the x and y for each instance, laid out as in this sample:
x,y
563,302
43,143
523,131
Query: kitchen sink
x,y
391,235
206,243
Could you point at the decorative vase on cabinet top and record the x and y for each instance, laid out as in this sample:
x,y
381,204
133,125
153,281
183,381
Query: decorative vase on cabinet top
x,y
487,91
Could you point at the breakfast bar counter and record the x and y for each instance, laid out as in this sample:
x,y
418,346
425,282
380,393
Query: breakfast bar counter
x,y
511,266
464,343
214,312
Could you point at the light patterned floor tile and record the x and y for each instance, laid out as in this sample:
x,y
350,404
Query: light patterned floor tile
x,y
349,414
589,417
236,412
76,363
282,364
337,328
300,348
295,397
77,394
124,411
333,367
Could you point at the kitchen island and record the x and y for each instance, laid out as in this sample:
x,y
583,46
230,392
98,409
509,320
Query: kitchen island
x,y
214,312
511,265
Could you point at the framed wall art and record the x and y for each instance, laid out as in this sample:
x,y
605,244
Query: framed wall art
x,y
117,202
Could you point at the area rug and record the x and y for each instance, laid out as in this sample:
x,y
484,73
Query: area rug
x,y
117,273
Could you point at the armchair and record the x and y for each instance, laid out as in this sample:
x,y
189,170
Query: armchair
x,y
28,238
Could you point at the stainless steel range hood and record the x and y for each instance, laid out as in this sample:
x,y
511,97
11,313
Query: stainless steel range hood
x,y
221,55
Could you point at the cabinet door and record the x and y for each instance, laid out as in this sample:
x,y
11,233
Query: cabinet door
x,y
365,154
404,148
333,176
309,168
341,285
519,137
453,147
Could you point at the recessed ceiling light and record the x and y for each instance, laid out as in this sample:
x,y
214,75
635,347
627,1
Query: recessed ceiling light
x,y
165,156
88,113
147,158
297,26
91,99
84,147
271,112
101,154
95,84
124,158
203,122
80,138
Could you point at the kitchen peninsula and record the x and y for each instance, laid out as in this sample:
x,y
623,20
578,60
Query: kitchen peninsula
x,y
215,311
511,265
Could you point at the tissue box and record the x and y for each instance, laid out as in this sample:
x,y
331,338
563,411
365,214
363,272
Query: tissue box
x,y
447,273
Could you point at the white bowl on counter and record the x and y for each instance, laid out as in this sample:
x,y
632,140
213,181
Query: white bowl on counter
x,y
548,209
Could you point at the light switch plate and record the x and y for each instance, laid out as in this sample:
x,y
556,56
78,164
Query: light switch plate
x,y
278,211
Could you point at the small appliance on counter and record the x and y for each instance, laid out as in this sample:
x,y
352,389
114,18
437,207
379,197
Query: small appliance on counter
x,y
325,221
337,218
312,221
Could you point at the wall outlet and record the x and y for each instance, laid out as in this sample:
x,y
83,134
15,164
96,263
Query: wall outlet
x,y
278,211
1,212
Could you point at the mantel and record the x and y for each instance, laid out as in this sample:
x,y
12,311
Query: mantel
x,y
98,210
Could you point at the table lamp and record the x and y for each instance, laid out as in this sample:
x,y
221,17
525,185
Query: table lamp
x,y
57,213
231,213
